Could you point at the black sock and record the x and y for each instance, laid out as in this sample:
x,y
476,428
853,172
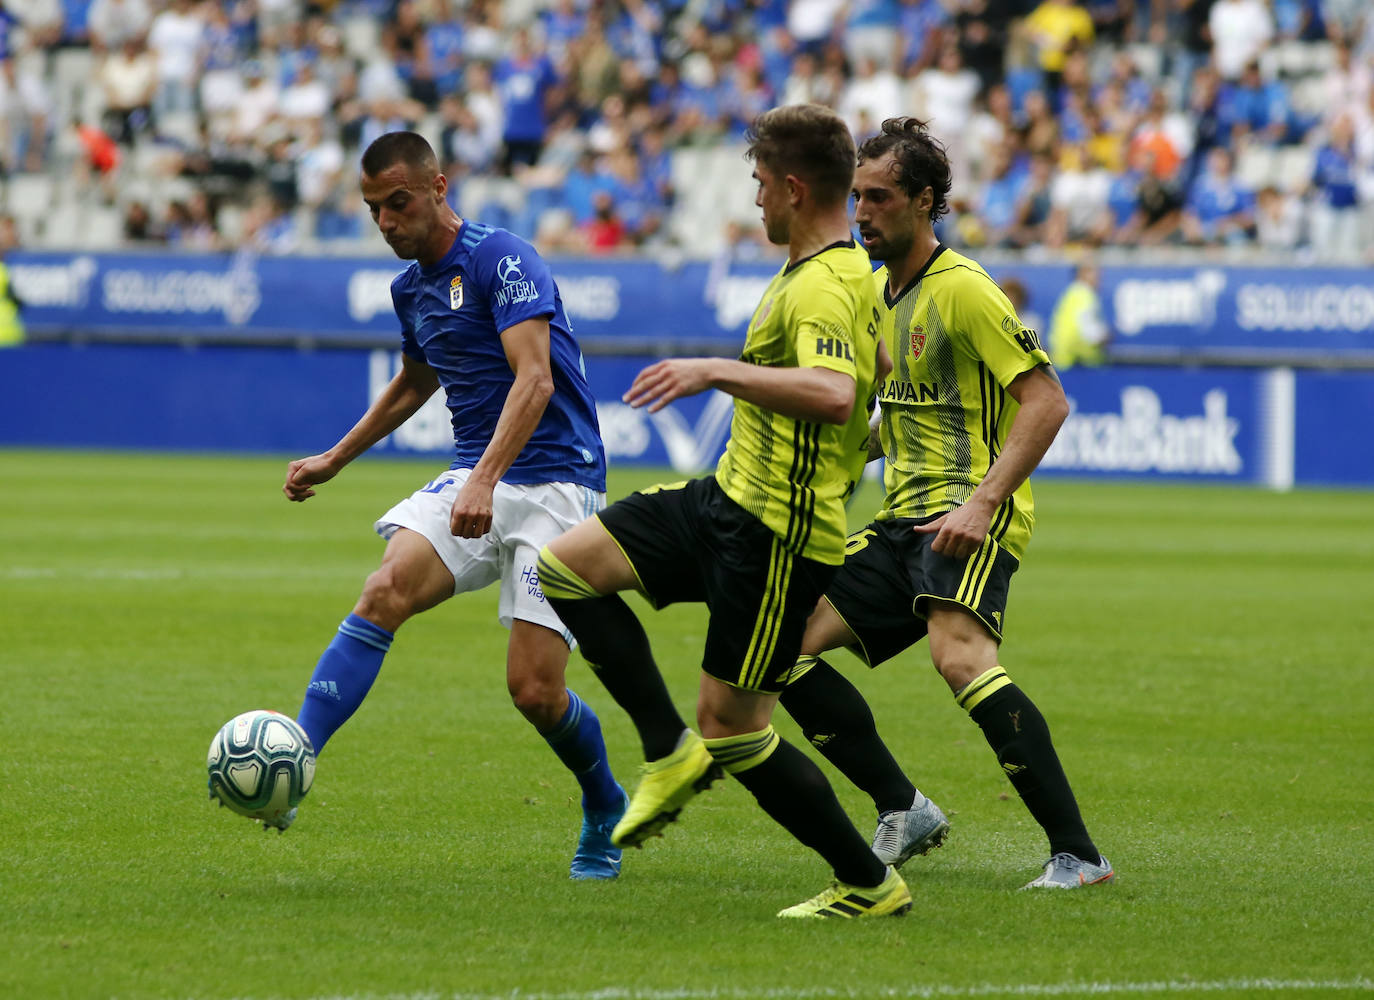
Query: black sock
x,y
838,722
1018,734
791,788
617,649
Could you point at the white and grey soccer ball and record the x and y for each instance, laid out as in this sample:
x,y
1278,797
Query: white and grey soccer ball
x,y
261,764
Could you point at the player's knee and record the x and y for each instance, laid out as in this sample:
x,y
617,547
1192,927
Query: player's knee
x,y
383,602
541,700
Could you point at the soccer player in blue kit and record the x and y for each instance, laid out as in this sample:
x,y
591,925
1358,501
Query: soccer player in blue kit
x,y
480,316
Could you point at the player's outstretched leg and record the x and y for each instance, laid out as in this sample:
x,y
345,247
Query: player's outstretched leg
x,y
837,721
342,678
577,741
891,898
1020,737
791,789
665,786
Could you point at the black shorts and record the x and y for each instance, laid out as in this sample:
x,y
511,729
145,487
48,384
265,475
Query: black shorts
x,y
690,542
891,575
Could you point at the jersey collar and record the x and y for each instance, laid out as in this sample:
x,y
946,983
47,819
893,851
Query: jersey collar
x,y
892,300
833,246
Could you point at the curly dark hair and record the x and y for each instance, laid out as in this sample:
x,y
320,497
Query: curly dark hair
x,y
921,160
809,141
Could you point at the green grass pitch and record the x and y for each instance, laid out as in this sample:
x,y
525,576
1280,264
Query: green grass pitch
x,y
1202,655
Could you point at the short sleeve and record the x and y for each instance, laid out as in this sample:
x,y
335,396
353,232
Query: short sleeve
x,y
402,300
989,330
517,282
824,317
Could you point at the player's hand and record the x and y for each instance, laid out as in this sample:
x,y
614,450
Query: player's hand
x,y
958,533
661,383
471,515
304,473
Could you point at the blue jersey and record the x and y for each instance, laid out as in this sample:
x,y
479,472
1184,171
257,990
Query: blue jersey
x,y
452,316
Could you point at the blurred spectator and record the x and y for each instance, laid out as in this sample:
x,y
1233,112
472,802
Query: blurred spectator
x,y
605,230
11,323
872,95
176,38
524,80
128,80
139,226
943,95
870,32
812,22
111,23
1278,220
1347,84
996,217
25,113
1034,203
1252,109
257,103
1335,212
191,225
1078,199
1240,29
1078,332
268,228
1058,28
1161,138
1158,205
1218,209
304,99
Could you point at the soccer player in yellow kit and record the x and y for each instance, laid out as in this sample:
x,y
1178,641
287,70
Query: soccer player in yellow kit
x,y
758,541
968,411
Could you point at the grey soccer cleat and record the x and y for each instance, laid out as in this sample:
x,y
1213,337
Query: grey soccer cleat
x,y
280,822
904,833
1064,871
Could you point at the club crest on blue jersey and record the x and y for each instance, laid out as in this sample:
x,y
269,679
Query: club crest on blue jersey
x,y
455,292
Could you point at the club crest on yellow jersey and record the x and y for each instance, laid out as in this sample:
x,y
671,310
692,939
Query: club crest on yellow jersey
x,y
455,292
918,341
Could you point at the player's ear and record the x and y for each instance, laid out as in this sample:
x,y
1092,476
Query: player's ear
x,y
925,200
796,190
440,185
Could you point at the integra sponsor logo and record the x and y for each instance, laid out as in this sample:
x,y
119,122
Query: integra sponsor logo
x,y
1143,438
233,293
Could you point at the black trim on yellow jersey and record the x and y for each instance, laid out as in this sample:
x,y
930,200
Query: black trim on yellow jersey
x,y
892,300
806,440
788,269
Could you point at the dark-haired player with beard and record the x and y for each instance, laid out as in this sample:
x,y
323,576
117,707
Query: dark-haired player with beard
x,y
968,411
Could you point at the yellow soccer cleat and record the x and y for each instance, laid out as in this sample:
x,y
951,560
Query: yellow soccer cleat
x,y
890,899
666,785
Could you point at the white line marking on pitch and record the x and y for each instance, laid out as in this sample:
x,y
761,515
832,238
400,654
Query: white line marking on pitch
x,y
923,992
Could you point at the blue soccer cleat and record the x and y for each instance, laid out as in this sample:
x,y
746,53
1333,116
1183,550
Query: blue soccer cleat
x,y
596,856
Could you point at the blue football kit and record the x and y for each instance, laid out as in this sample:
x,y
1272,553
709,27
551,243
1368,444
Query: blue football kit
x,y
452,315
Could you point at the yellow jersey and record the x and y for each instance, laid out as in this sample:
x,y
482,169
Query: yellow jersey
x,y
795,475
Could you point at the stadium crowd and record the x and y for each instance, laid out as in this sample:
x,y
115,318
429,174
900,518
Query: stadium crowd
x,y
602,125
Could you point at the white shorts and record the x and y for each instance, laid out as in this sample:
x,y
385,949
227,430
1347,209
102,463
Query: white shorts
x,y
524,519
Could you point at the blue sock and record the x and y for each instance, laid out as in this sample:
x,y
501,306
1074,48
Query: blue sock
x,y
577,741
342,678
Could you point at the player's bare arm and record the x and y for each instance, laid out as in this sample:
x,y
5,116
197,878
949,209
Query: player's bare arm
x,y
881,369
398,402
1043,409
816,394
527,352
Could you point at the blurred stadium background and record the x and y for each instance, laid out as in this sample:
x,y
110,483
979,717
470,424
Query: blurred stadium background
x,y
1193,179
